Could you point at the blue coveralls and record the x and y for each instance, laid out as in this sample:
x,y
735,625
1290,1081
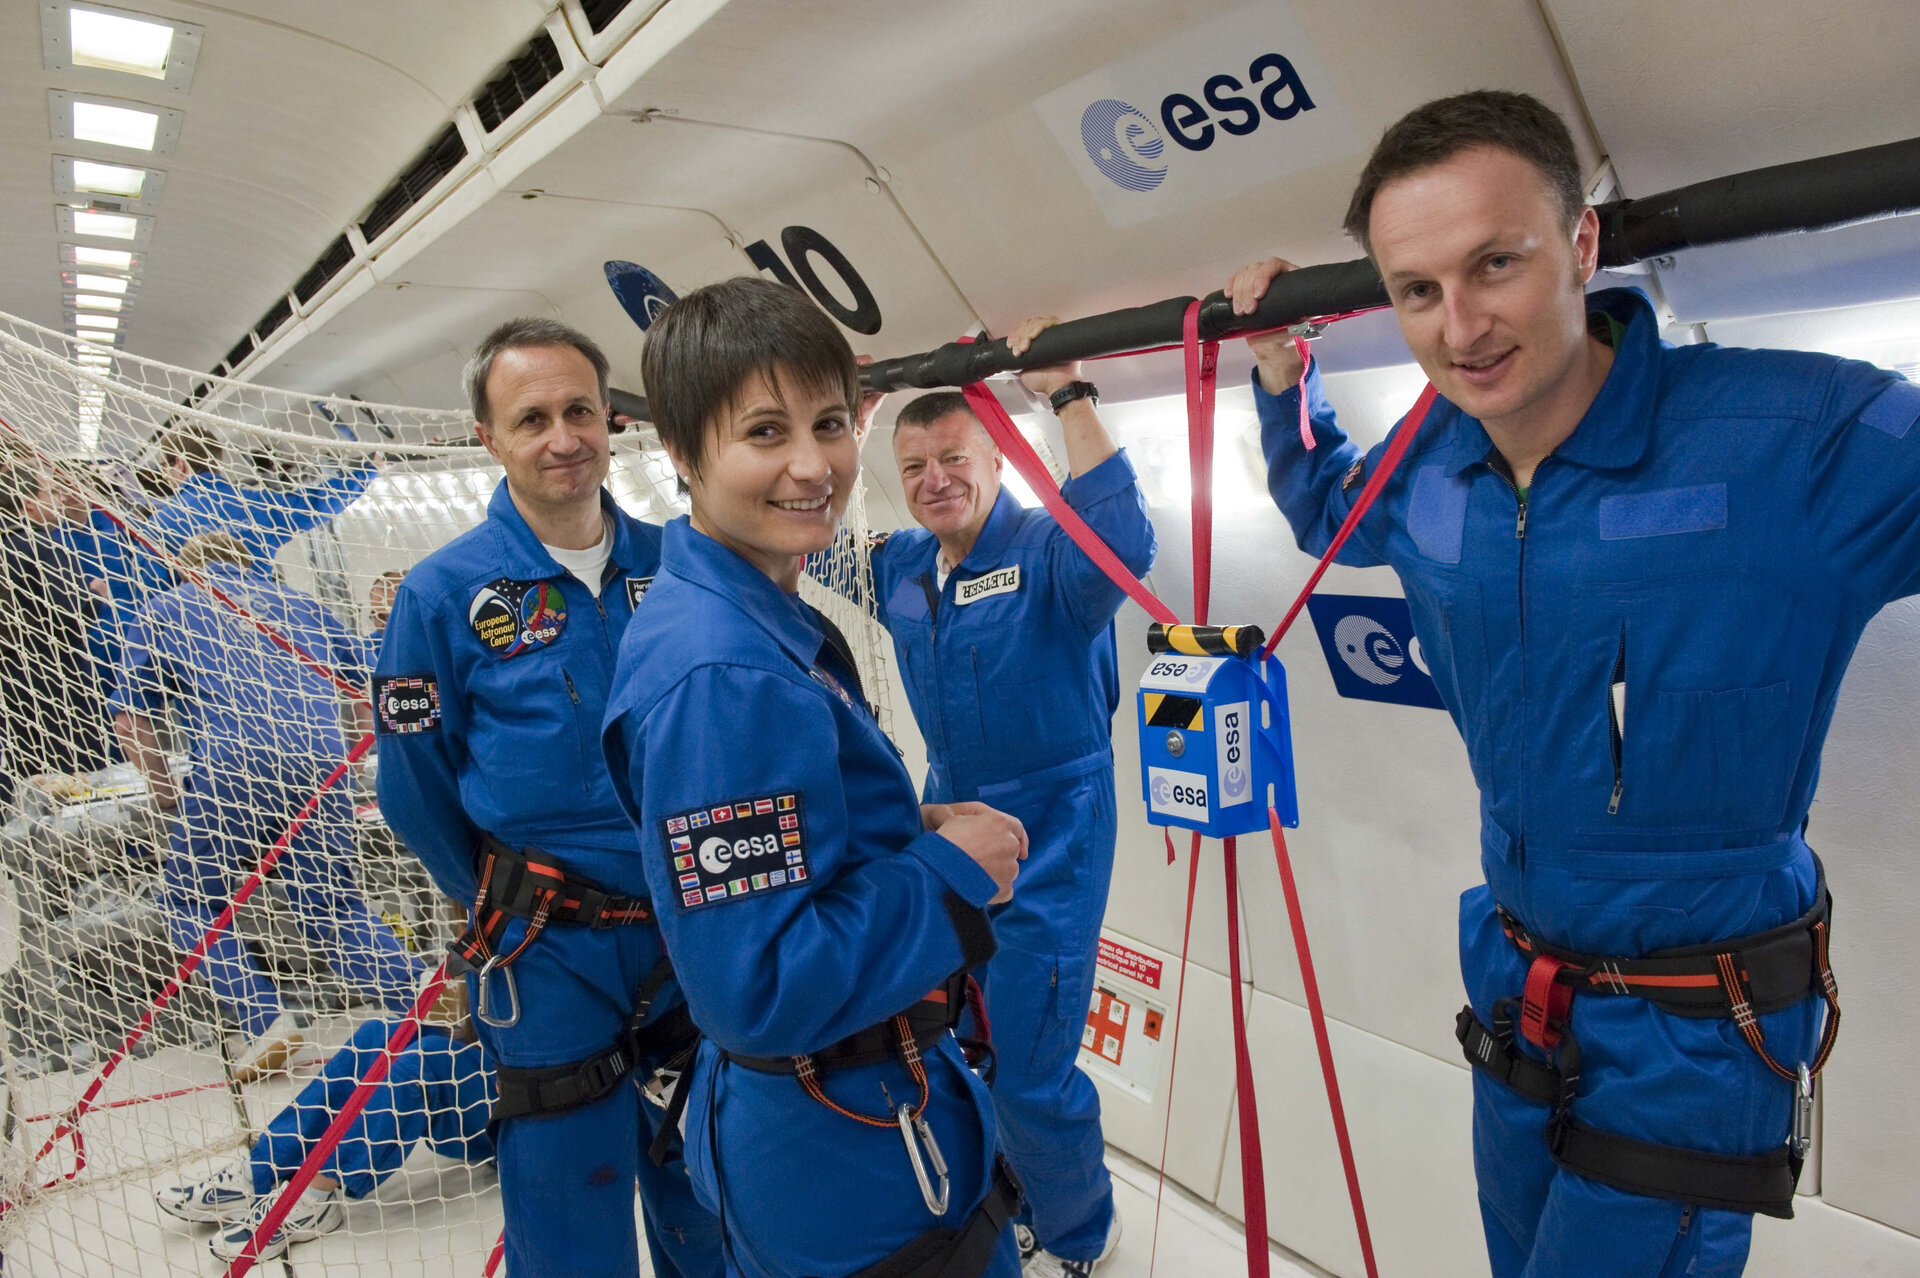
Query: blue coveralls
x,y
1717,531
438,1090
266,731
512,748
1014,691
262,519
802,902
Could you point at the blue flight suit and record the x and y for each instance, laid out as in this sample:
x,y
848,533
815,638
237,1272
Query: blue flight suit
x,y
266,731
512,748
438,1090
728,719
262,519
1715,534
1014,690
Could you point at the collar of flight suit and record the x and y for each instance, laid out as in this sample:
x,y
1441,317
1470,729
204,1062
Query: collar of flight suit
x,y
523,558
1618,424
699,560
1002,522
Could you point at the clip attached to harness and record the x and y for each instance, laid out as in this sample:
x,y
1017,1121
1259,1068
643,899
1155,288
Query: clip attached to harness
x,y
513,995
1800,1139
912,1125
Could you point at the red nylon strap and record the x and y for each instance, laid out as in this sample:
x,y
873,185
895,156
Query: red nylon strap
x,y
1544,1008
1173,1046
309,1168
1202,359
1409,426
493,1257
1253,1175
1305,352
1316,1013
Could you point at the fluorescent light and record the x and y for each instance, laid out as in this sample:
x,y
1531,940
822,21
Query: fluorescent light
x,y
112,259
98,321
114,43
115,126
108,179
98,302
100,283
114,226
97,361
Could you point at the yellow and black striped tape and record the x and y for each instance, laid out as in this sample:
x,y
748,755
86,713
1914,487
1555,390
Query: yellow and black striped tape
x,y
1171,710
1205,641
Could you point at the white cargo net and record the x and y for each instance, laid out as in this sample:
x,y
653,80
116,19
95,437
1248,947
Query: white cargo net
x,y
118,1085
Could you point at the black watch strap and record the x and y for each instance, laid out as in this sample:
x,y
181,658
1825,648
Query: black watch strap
x,y
1072,391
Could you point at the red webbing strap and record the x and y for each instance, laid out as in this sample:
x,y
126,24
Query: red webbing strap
x,y
493,1257
198,954
1317,1014
310,1166
1173,1047
1409,427
1546,1003
1014,445
1253,1175
1202,360
1305,352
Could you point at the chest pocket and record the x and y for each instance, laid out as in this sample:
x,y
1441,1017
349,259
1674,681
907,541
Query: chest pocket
x,y
533,732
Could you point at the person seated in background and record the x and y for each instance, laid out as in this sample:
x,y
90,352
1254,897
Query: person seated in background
x,y
205,500
266,731
438,1090
50,693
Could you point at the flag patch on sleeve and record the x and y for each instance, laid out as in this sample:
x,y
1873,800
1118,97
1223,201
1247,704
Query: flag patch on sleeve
x,y
739,849
407,703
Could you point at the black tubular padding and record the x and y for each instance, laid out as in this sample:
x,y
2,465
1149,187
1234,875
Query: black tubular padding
x,y
965,1252
1502,1061
1809,195
558,1089
628,404
1760,1183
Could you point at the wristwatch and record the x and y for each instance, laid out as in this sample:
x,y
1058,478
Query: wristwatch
x,y
1072,391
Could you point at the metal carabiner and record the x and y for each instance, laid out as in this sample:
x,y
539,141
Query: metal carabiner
x,y
910,1125
1310,329
513,996
1801,1137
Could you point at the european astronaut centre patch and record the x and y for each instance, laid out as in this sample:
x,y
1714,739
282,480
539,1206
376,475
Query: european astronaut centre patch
x,y
510,617
637,590
407,703
731,850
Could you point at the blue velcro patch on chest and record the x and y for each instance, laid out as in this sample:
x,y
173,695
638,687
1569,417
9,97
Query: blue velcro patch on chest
x,y
1894,410
907,602
1437,513
1700,508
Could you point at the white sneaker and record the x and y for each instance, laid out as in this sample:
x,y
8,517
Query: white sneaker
x,y
319,1211
220,1199
1029,1245
272,1049
1047,1265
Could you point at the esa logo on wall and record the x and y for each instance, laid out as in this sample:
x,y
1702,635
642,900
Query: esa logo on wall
x,y
1220,107
1371,649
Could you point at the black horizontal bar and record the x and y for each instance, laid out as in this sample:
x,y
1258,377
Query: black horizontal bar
x,y
1809,195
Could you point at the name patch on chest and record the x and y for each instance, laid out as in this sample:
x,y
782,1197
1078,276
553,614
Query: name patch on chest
x,y
407,703
511,617
1001,581
637,590
734,850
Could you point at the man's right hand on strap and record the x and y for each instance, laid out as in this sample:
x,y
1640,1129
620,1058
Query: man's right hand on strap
x,y
996,842
1279,361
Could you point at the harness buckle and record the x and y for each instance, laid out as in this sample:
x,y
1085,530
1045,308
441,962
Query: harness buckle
x,y
1546,1004
914,1125
1800,1139
513,996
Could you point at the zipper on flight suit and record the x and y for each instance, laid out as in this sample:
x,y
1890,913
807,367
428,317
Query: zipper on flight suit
x,y
1616,730
1497,463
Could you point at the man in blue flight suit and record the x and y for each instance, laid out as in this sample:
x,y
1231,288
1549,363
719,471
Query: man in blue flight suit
x,y
1638,572
204,500
266,731
1004,632
492,678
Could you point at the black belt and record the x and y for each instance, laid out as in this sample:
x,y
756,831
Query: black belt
x,y
556,1089
1740,980
531,885
928,1021
965,1252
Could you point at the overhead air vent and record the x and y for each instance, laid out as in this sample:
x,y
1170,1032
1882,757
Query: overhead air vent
x,y
241,349
440,158
331,263
200,391
279,313
601,13
519,80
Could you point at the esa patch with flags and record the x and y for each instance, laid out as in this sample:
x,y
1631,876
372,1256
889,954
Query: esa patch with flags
x,y
727,851
407,703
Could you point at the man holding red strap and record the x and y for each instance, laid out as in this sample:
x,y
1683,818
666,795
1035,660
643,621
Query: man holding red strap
x,y
1004,632
1638,573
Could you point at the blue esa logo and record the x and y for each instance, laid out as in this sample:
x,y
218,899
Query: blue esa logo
x,y
1126,145
1371,649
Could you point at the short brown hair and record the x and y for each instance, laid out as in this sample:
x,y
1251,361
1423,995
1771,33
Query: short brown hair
x,y
932,406
520,334
1434,133
194,443
704,347
201,549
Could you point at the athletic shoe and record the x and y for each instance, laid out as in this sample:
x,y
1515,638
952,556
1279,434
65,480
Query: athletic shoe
x,y
220,1199
1028,1244
319,1211
1047,1265
272,1049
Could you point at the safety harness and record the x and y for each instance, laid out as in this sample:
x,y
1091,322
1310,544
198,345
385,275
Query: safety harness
x,y
1742,979
528,884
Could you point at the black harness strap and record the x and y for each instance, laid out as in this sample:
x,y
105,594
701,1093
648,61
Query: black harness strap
x,y
556,1089
929,1020
529,884
965,1252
